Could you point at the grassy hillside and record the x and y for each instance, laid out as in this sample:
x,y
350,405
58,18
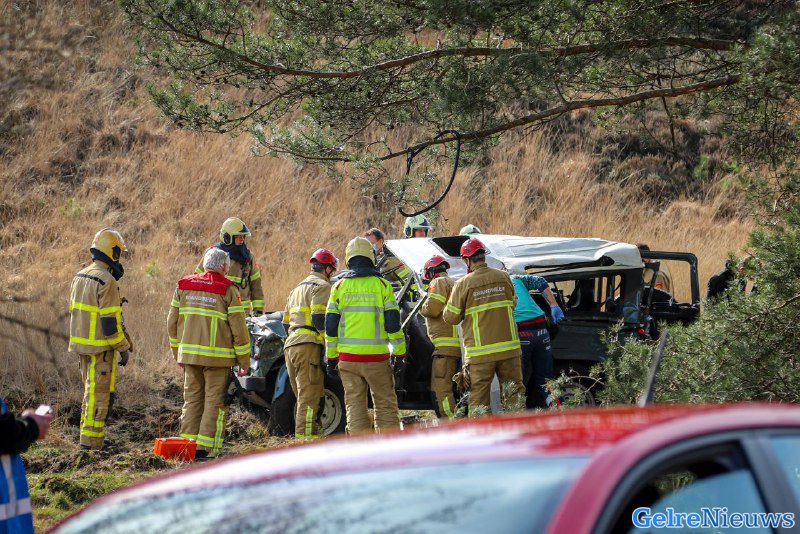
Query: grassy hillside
x,y
82,148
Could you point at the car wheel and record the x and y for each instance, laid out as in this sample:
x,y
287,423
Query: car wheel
x,y
581,389
332,418
281,415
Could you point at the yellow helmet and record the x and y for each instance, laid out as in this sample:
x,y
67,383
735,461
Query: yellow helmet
x,y
109,242
359,246
232,227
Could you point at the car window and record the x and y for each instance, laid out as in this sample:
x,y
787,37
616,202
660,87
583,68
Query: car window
x,y
787,449
597,296
504,496
705,490
713,496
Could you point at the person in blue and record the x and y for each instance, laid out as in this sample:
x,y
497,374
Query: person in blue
x,y
16,435
537,353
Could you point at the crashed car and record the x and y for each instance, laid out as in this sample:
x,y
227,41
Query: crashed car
x,y
597,283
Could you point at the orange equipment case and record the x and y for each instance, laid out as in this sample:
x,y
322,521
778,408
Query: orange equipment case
x,y
180,448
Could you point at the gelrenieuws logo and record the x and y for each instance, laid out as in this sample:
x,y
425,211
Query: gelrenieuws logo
x,y
644,517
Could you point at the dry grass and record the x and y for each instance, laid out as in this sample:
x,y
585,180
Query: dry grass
x,y
89,151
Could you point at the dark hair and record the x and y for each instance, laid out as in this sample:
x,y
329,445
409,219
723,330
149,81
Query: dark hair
x,y
318,267
376,232
477,257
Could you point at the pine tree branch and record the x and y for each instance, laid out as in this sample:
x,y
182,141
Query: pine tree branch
x,y
698,43
575,105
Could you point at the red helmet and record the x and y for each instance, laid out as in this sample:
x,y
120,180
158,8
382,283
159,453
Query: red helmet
x,y
471,247
435,262
325,257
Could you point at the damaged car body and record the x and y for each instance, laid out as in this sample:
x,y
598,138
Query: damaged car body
x,y
598,284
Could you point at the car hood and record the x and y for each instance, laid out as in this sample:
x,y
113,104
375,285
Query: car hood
x,y
521,255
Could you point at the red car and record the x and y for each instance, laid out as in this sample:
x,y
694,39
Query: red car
x,y
691,468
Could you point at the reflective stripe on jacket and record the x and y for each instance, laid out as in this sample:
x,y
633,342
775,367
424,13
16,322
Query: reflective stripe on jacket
x,y
16,514
443,336
247,278
358,308
309,298
95,312
206,322
484,300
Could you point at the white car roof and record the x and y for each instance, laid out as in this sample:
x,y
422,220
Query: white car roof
x,y
521,255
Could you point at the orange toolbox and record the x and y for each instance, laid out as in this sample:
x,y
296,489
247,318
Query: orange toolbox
x,y
179,448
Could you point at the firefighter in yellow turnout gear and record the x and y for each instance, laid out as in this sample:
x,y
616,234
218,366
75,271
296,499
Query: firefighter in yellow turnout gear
x,y
362,322
304,319
484,300
207,335
96,332
244,271
446,346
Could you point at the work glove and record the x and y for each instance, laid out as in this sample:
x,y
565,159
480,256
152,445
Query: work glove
x,y
332,367
556,314
123,358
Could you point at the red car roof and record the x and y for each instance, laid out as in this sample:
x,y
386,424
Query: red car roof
x,y
593,432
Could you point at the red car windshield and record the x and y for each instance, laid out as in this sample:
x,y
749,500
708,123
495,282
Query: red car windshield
x,y
499,496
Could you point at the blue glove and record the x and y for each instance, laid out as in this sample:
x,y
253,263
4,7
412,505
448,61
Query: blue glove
x,y
556,314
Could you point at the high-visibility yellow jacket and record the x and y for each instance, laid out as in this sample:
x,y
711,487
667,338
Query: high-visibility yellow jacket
x,y
95,312
206,322
363,321
484,299
305,310
247,278
443,336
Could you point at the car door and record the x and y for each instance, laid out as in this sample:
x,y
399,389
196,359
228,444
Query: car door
x,y
720,483
666,306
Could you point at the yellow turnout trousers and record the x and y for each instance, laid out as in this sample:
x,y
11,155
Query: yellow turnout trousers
x,y
203,415
443,369
307,380
98,372
357,377
482,373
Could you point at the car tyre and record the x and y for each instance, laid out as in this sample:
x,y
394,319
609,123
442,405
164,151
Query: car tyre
x,y
582,389
332,416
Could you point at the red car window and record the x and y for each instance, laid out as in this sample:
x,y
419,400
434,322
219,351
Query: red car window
x,y
499,496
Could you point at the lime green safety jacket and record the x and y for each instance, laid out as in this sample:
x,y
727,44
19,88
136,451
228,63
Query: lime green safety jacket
x,y
363,321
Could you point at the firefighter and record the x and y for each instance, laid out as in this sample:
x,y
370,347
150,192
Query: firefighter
x,y
391,268
469,229
207,335
362,321
304,319
97,332
244,271
484,300
417,226
446,346
663,279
